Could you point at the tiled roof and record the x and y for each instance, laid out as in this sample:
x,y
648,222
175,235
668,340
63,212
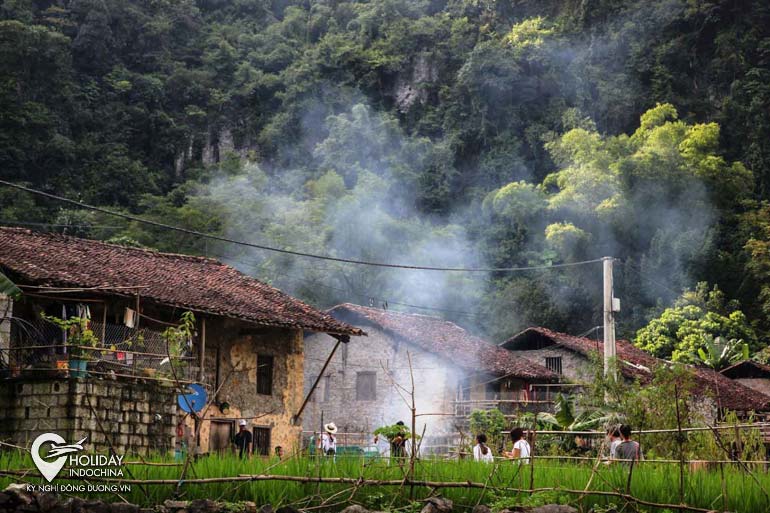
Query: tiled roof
x,y
189,282
447,340
747,369
639,365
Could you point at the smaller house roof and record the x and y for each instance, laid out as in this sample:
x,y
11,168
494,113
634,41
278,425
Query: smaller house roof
x,y
447,340
639,365
189,282
747,369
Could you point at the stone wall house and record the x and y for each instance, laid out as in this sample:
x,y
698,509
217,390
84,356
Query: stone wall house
x,y
571,357
752,374
246,349
367,380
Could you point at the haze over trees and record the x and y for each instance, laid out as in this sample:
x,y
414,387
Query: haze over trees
x,y
456,133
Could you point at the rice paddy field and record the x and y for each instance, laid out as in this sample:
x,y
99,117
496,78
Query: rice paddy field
x,y
652,482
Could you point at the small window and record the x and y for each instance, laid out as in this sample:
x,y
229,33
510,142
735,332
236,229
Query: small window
x,y
366,386
261,444
553,363
265,374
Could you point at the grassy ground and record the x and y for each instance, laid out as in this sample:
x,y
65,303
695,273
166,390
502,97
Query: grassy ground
x,y
650,482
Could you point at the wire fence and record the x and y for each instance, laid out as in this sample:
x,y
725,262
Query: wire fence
x,y
38,346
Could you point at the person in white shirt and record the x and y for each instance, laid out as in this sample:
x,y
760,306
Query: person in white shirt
x,y
482,452
521,449
614,437
328,440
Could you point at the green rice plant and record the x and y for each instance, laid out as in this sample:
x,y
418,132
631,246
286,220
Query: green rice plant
x,y
508,485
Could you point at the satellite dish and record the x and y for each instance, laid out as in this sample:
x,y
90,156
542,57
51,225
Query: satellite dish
x,y
195,400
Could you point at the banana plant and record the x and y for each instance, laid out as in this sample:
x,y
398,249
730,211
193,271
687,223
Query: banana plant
x,y
719,353
8,288
567,418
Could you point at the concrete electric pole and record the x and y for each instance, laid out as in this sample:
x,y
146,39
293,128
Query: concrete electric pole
x,y
611,305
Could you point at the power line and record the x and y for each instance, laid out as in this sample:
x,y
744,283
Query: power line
x,y
347,291
256,265
288,251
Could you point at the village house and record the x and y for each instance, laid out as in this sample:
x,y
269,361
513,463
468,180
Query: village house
x,y
367,382
246,349
571,357
751,374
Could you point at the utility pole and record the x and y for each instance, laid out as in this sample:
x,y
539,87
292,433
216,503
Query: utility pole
x,y
611,305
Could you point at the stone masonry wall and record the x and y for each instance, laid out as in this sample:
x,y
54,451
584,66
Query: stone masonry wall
x,y
137,418
436,383
237,345
6,310
574,367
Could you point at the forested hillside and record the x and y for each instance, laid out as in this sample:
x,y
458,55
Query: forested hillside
x,y
462,133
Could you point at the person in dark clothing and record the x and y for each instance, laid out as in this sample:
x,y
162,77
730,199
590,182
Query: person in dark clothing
x,y
398,444
242,440
628,450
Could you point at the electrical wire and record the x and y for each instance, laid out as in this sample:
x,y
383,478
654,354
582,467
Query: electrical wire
x,y
288,251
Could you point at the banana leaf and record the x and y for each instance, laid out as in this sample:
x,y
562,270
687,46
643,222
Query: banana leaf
x,y
8,288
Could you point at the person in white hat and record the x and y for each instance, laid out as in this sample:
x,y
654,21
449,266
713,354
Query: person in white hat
x,y
329,440
242,440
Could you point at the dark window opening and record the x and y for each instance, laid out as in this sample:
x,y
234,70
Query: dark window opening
x,y
265,374
262,441
492,390
366,386
553,363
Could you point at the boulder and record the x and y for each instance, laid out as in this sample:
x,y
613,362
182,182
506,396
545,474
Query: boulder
x,y
437,505
355,508
547,508
19,495
123,507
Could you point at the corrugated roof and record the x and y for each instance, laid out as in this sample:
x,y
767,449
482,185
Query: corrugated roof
x,y
447,340
639,365
189,282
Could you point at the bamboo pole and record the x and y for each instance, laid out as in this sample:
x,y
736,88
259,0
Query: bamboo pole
x,y
358,481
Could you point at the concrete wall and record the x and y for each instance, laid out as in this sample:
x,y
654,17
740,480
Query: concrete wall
x,y
236,346
137,418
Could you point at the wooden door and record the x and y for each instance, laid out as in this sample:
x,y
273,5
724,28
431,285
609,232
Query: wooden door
x,y
221,435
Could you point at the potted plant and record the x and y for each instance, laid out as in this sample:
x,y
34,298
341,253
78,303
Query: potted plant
x,y
79,338
178,340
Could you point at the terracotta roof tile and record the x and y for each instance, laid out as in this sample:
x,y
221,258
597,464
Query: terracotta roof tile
x,y
189,282
447,340
639,365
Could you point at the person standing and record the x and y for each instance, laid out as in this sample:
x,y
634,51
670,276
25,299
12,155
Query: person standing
x,y
482,452
628,451
521,449
398,444
242,440
614,438
329,440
